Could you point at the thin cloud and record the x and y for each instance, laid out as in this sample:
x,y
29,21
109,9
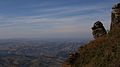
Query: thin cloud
x,y
58,21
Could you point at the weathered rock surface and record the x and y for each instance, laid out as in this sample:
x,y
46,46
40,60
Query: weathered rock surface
x,y
104,51
115,16
98,30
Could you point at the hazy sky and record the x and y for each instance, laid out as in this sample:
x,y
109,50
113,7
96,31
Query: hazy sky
x,y
52,18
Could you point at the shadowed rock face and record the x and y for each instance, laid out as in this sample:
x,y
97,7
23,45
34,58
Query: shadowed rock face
x,y
115,16
98,30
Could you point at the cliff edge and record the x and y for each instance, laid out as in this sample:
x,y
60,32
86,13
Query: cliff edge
x,y
104,51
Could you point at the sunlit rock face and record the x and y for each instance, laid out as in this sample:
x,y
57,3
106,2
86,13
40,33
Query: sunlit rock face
x,y
98,29
115,16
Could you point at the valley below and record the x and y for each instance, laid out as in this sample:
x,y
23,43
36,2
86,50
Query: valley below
x,y
35,53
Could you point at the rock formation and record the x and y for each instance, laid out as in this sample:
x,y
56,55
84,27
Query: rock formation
x,y
71,60
115,16
98,30
103,52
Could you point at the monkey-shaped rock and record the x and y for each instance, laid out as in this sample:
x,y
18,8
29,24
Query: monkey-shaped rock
x,y
98,29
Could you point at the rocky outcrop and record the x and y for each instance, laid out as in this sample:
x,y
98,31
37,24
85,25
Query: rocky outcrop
x,y
103,51
98,29
115,16
71,60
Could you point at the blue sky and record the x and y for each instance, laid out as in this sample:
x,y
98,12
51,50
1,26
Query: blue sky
x,y
52,18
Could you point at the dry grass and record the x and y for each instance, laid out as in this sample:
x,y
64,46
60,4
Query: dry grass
x,y
102,52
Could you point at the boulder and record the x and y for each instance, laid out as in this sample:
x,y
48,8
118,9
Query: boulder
x,y
98,29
